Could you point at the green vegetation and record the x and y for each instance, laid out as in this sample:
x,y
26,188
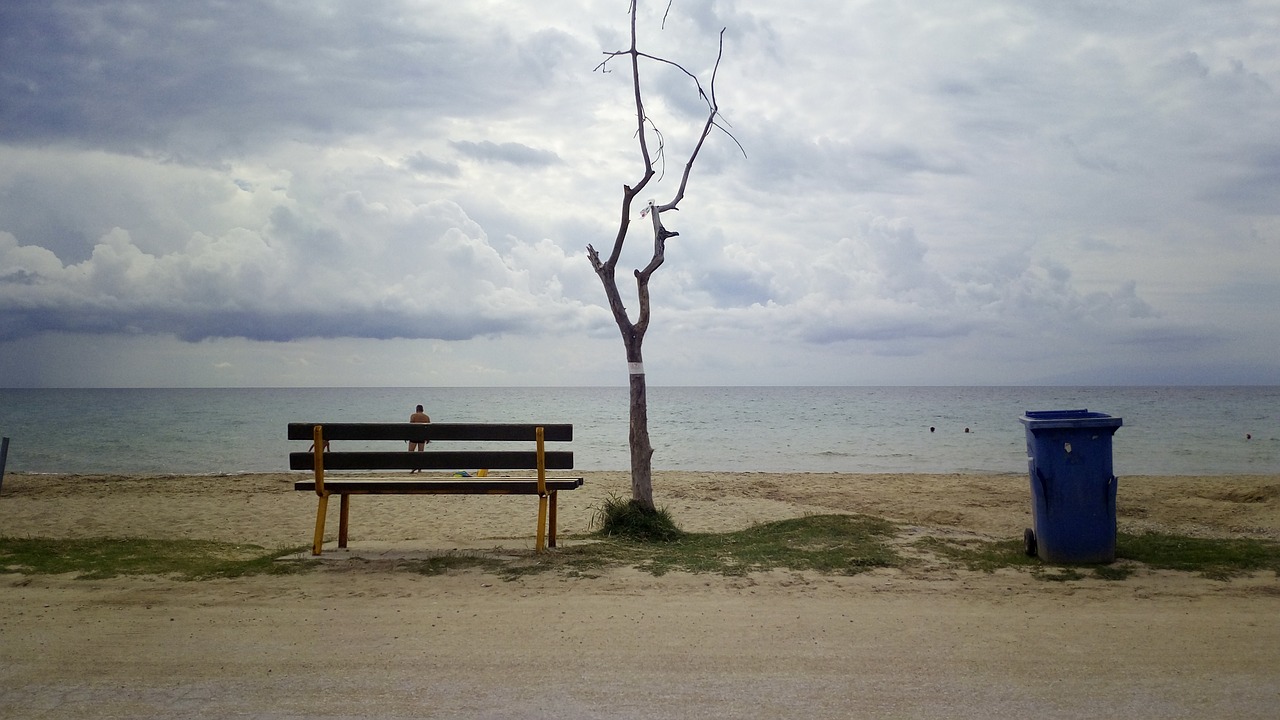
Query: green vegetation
x,y
842,544
457,561
827,544
837,544
629,519
834,544
989,556
93,558
650,540
981,555
1219,559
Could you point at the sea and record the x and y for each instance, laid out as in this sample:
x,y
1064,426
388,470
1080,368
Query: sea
x,y
1165,430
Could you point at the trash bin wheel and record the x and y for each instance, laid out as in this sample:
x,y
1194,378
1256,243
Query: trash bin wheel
x,y
1029,542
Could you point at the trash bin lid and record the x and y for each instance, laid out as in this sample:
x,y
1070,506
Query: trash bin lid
x,y
1051,419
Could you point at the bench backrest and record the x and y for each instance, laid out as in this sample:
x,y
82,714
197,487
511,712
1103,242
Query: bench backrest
x,y
432,458
418,432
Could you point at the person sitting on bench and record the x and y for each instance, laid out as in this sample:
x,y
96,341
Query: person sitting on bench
x,y
418,417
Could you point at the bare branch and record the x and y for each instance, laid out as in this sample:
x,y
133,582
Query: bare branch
x,y
713,110
629,192
639,100
633,333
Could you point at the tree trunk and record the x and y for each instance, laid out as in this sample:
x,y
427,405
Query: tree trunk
x,y
633,333
641,450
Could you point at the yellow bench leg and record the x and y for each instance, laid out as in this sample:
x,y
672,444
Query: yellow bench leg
x,y
542,523
321,510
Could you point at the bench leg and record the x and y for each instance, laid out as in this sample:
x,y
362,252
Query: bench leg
x,y
343,513
542,523
321,510
551,522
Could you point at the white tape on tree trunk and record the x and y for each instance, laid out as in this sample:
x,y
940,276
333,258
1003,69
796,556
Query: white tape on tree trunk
x,y
635,368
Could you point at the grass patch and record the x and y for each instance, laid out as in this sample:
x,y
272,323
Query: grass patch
x,y
981,555
836,544
94,558
1216,558
618,517
1115,571
832,544
828,544
453,562
1219,559
1058,573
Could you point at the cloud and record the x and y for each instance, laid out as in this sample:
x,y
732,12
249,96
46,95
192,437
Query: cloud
x,y
510,152
264,285
1003,191
420,162
199,83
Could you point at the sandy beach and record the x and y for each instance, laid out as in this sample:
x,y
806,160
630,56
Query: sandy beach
x,y
359,639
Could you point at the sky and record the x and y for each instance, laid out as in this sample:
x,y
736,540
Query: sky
x,y
401,193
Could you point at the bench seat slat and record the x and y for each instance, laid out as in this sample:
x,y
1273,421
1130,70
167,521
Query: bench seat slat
x,y
433,460
438,486
498,432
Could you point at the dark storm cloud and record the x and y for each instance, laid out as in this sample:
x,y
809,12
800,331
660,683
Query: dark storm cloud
x,y
222,79
197,323
508,152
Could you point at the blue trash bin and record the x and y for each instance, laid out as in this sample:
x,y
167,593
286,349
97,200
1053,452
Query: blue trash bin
x,y
1073,489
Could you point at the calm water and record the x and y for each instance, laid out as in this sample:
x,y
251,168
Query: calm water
x,y
1167,430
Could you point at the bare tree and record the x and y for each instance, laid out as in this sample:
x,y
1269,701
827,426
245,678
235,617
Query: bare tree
x,y
633,332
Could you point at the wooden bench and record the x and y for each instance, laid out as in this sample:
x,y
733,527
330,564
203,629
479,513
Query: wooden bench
x,y
440,454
